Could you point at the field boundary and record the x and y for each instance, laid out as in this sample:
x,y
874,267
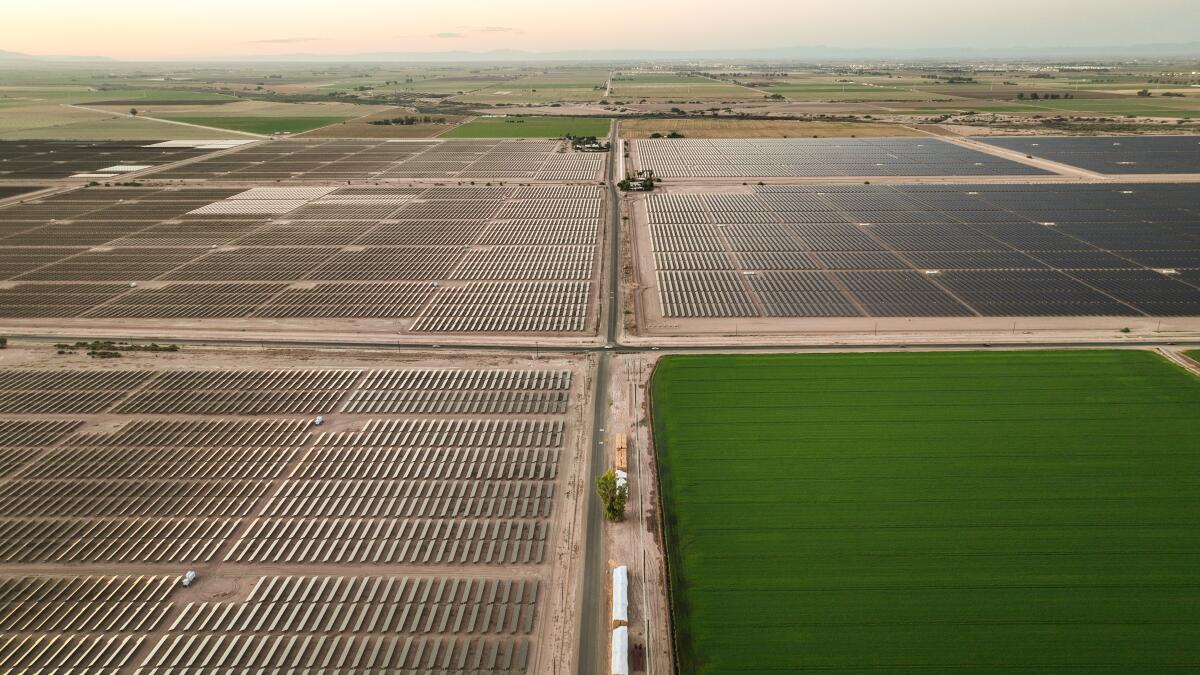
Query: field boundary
x,y
166,121
668,533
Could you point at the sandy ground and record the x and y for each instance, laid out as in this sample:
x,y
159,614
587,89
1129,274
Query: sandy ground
x,y
635,542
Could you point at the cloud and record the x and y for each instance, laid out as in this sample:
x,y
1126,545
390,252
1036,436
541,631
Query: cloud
x,y
499,29
447,35
286,41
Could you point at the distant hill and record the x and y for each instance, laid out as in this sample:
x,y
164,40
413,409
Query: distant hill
x,y
7,57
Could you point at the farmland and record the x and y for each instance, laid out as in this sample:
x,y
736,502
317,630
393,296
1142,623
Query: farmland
x,y
369,126
1016,511
58,122
678,87
258,125
530,127
543,87
828,89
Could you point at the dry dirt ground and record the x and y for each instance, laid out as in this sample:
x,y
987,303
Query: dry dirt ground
x,y
635,542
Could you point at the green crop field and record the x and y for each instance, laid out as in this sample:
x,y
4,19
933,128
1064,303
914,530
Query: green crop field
x,y
1015,512
530,127
258,125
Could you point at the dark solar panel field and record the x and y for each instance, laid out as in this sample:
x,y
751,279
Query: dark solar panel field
x,y
803,157
62,159
509,259
10,191
397,159
928,251
1111,154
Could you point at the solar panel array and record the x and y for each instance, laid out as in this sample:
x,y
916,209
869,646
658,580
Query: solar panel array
x,y
364,159
928,250
27,160
1111,154
432,469
514,259
10,191
799,157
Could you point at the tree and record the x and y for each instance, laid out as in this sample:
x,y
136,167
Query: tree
x,y
613,496
1144,92
133,111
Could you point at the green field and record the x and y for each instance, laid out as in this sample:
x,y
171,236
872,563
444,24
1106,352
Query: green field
x,y
1015,512
258,125
530,127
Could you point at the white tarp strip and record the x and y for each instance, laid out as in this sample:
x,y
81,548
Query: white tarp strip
x,y
620,603
620,651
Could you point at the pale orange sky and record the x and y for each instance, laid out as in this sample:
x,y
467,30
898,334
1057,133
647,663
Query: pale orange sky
x,y
141,29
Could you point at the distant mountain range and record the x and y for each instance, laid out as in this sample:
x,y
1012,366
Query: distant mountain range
x,y
17,57
810,53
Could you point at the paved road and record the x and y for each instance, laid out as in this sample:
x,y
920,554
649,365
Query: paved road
x,y
593,641
616,348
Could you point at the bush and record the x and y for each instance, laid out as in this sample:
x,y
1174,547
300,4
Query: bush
x,y
104,354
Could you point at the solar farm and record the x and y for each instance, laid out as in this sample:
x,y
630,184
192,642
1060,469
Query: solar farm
x,y
415,530
39,160
795,158
365,159
1112,154
419,258
985,250
397,367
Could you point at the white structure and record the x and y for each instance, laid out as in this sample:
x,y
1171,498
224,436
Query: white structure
x,y
620,599
620,651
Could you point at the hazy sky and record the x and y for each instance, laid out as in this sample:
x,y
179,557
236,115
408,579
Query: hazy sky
x,y
170,28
